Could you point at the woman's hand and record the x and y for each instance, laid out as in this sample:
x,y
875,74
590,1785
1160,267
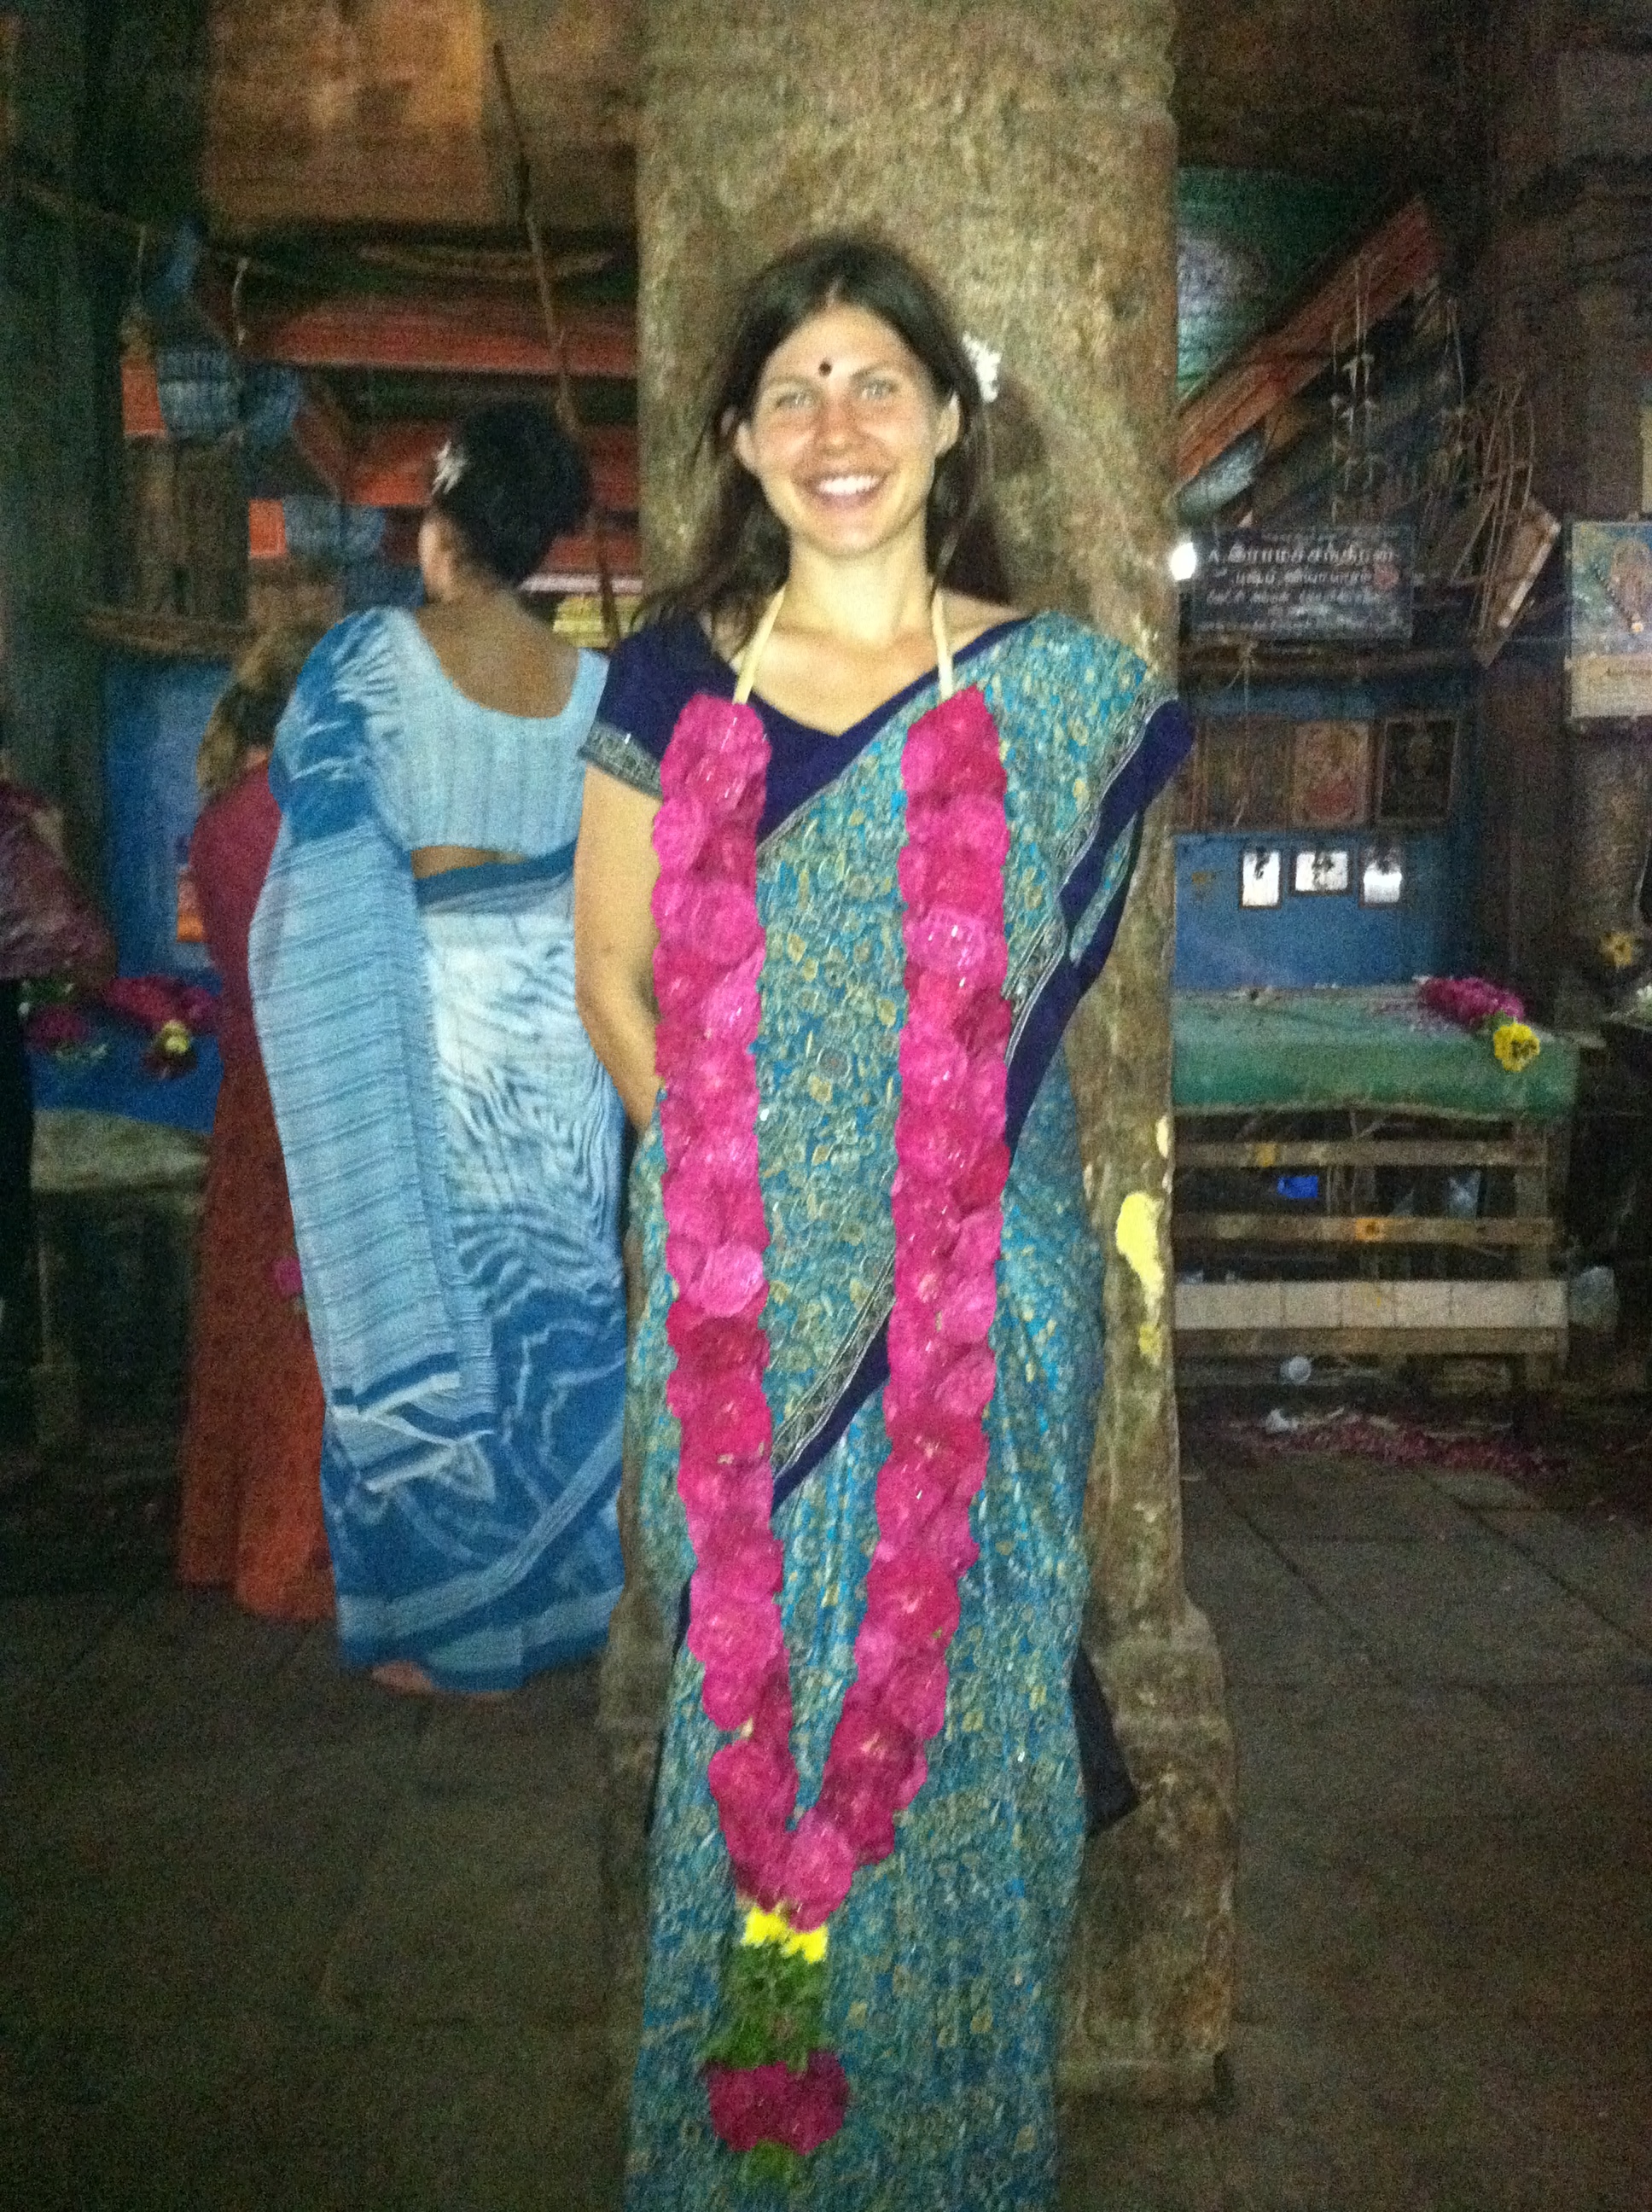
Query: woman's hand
x,y
614,936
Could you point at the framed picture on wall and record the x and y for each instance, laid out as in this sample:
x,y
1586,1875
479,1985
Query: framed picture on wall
x,y
1323,872
1417,770
1330,775
1261,876
1382,876
1245,762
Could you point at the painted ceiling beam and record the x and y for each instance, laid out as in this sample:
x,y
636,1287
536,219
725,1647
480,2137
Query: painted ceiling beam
x,y
1399,260
388,464
392,461
477,337
321,433
570,567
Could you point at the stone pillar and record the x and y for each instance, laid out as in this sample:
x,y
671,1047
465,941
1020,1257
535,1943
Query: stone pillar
x,y
1025,154
1568,814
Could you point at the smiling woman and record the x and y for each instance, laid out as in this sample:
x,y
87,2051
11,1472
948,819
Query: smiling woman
x,y
844,447
862,1388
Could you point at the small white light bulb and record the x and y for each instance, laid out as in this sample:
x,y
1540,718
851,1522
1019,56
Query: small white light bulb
x,y
1184,561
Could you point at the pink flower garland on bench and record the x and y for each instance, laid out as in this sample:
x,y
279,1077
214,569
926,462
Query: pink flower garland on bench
x,y
947,1203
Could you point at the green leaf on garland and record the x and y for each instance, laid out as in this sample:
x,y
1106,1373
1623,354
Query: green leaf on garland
x,y
772,2008
771,2166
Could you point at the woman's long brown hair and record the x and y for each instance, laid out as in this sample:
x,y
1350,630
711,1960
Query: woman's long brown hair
x,y
244,720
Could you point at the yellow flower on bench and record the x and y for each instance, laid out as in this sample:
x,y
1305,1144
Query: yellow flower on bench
x,y
1515,1044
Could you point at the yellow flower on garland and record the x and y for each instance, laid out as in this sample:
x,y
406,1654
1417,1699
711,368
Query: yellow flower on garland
x,y
1515,1044
762,1927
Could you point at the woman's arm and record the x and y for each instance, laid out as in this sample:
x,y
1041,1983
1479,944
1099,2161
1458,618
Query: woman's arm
x,y
614,936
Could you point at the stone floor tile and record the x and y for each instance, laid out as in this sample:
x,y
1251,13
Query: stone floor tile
x,y
481,1904
41,1638
1607,1562
320,2117
1322,1500
137,1898
1270,1625
1476,1611
272,1940
1351,1754
1480,1491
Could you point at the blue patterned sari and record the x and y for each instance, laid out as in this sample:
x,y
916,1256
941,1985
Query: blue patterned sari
x,y
946,1961
452,1146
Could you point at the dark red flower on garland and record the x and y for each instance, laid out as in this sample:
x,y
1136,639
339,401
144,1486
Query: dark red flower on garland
x,y
754,2104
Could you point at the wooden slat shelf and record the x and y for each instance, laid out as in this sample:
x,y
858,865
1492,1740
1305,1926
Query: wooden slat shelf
x,y
1372,1340
1365,1152
1296,1310
1424,1285
1508,1229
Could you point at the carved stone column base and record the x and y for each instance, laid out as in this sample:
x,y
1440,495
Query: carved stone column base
x,y
1149,1974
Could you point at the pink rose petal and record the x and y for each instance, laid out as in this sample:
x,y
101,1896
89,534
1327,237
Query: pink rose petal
x,y
918,1600
814,1871
680,829
967,1309
754,2104
754,1781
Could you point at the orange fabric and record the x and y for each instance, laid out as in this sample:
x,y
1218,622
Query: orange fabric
x,y
251,1460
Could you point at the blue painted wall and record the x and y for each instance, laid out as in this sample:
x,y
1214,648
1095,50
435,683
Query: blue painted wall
x,y
1221,947
154,713
1322,939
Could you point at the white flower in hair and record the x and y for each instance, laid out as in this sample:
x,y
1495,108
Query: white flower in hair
x,y
984,360
451,462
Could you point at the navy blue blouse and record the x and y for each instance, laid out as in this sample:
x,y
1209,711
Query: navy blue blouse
x,y
653,675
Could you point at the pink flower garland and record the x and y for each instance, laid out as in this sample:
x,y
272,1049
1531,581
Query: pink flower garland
x,y
947,1203
1468,1000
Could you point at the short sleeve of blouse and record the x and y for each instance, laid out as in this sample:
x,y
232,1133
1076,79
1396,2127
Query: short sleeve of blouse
x,y
652,676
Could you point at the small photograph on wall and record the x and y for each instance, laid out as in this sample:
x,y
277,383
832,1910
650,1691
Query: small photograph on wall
x,y
1330,775
1261,876
1382,876
1609,620
1416,766
1323,872
1246,772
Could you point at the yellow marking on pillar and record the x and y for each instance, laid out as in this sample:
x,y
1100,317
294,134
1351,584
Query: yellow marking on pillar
x,y
1137,1237
1162,1136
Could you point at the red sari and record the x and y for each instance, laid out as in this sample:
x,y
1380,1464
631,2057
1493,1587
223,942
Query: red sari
x,y
251,1492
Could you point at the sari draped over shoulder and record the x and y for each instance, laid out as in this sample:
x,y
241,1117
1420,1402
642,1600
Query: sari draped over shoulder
x,y
453,1148
946,1959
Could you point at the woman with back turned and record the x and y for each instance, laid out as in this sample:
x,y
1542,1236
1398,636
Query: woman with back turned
x,y
857,837
452,1142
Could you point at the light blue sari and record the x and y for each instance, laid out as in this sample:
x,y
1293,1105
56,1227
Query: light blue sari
x,y
452,1146
945,1963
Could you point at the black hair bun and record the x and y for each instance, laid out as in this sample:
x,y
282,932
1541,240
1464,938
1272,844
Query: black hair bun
x,y
511,480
